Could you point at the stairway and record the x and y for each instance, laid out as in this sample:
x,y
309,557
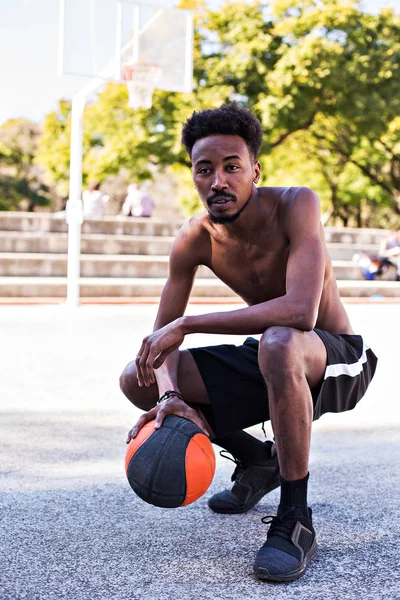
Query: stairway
x,y
124,257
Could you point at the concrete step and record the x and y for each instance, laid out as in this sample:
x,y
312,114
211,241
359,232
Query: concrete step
x,y
92,243
346,251
366,289
119,225
55,287
352,235
55,265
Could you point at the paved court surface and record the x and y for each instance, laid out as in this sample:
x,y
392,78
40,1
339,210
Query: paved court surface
x,y
72,528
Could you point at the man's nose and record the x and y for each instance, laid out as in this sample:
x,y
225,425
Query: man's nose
x,y
219,182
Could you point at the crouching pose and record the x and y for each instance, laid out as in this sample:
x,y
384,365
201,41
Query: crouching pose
x,y
267,244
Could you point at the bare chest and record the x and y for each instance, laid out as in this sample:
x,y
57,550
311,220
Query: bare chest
x,y
256,272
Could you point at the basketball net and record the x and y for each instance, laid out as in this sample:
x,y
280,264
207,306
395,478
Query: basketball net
x,y
141,79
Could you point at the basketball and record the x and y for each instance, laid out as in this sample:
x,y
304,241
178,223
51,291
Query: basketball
x,y
171,466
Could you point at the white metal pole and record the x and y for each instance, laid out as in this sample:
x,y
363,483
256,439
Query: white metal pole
x,y
74,204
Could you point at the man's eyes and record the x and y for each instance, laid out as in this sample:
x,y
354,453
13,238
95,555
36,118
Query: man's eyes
x,y
207,170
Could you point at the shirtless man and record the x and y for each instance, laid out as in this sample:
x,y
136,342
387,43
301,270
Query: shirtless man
x,y
267,244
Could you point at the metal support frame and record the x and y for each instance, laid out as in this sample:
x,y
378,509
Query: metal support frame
x,y
74,205
74,208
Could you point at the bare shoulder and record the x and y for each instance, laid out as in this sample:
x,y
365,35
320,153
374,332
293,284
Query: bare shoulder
x,y
300,208
192,240
287,197
194,229
292,196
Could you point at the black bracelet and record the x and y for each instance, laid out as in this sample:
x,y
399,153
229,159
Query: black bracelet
x,y
169,394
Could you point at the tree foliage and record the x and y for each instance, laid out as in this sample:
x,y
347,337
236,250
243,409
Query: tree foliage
x,y
20,180
336,81
53,148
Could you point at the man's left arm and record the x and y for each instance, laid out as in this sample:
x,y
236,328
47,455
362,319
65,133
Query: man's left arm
x,y
297,308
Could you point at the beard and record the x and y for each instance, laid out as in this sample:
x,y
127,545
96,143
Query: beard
x,y
230,219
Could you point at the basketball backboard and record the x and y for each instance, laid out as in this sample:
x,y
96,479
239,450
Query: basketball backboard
x,y
99,38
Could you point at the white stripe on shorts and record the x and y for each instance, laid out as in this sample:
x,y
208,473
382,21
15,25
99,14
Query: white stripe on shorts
x,y
351,370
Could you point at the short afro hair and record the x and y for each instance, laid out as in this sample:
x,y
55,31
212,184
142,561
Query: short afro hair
x,y
228,119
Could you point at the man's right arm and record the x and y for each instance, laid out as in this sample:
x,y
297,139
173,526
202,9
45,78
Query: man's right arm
x,y
186,255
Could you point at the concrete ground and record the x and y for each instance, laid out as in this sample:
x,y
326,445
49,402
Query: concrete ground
x,y
72,528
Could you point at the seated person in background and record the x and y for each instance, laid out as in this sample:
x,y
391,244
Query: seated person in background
x,y
94,201
389,253
138,202
388,256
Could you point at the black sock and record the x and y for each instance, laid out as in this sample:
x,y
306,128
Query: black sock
x,y
244,446
294,493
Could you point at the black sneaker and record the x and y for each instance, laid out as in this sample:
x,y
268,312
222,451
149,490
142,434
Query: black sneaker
x,y
291,544
251,483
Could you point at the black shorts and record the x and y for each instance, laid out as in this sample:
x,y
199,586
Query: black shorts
x,y
238,393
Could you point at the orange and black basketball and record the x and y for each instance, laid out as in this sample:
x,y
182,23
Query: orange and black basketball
x,y
171,466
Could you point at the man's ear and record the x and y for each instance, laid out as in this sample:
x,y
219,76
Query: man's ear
x,y
256,171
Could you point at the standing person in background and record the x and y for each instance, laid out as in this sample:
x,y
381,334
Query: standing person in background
x,y
138,202
94,201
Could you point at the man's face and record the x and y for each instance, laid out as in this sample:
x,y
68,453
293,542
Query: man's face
x,y
224,173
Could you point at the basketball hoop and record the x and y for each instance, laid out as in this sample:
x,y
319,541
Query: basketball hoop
x,y
141,79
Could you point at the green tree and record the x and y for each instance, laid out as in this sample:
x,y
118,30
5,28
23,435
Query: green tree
x,y
53,153
20,180
338,78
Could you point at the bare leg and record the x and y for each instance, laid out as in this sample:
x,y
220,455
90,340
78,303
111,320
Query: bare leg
x,y
292,363
191,385
190,381
194,391
243,446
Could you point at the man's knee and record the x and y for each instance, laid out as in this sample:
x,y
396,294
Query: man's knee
x,y
140,397
279,347
128,381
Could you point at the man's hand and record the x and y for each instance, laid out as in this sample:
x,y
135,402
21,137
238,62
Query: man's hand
x,y
155,348
173,406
